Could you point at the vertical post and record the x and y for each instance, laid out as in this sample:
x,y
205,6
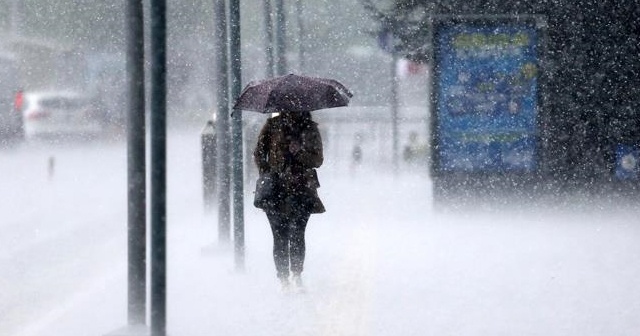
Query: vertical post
x,y
222,122
236,135
136,166
394,111
158,169
281,61
208,147
16,17
268,25
301,49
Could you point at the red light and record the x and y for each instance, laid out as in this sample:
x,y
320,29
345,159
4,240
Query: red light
x,y
19,100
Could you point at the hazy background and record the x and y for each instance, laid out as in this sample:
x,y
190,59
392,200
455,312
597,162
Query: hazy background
x,y
80,44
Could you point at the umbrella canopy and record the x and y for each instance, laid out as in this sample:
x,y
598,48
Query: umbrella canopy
x,y
292,93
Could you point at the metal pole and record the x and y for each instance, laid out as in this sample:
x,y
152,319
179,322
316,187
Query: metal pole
x,y
208,147
268,25
16,17
158,168
281,61
236,134
136,166
222,122
301,50
394,111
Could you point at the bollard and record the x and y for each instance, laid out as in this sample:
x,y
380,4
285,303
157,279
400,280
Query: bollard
x,y
208,146
51,167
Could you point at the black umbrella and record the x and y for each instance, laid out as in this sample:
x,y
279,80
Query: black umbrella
x,y
292,93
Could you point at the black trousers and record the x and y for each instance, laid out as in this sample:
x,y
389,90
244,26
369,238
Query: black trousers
x,y
288,230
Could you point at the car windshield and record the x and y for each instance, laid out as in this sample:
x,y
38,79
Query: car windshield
x,y
62,103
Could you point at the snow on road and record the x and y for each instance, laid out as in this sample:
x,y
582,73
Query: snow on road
x,y
61,224
381,261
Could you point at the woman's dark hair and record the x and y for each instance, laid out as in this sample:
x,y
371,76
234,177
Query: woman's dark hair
x,y
305,115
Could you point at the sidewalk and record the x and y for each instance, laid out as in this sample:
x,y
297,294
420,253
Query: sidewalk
x,y
207,296
382,262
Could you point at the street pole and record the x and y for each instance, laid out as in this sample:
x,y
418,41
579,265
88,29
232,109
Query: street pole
x,y
158,168
394,111
16,17
281,62
236,134
268,25
136,166
301,49
222,122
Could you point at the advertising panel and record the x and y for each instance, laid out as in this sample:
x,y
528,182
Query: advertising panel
x,y
485,96
627,166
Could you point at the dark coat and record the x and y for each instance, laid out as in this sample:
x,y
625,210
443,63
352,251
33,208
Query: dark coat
x,y
298,177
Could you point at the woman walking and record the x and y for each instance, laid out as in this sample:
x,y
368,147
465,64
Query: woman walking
x,y
290,147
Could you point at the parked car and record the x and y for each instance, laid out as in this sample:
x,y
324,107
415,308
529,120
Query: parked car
x,y
60,114
11,128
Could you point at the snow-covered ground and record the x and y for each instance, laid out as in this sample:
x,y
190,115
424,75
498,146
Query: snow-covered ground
x,y
381,261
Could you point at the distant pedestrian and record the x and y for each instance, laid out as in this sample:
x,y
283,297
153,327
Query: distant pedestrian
x,y
356,153
290,146
410,151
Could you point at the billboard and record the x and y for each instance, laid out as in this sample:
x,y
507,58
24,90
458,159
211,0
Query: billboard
x,y
485,95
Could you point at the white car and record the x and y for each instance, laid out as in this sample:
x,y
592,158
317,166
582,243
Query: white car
x,y
60,114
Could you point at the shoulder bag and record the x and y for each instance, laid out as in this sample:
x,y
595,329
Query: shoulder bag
x,y
267,190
